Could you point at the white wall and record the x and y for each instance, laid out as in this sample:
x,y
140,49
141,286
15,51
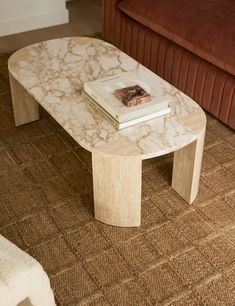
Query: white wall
x,y
24,15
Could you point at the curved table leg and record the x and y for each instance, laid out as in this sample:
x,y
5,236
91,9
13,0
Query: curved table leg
x,y
187,169
25,107
117,189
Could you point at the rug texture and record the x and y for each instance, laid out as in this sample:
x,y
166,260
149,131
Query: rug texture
x,y
181,255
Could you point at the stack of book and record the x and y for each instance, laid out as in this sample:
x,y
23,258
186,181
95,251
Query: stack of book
x,y
125,99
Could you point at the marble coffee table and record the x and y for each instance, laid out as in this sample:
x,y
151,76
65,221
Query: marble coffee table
x,y
52,74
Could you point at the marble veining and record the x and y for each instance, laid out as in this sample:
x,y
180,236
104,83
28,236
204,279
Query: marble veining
x,y
53,72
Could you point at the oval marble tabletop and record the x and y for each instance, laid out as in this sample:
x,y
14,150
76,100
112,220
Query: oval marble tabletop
x,y
53,72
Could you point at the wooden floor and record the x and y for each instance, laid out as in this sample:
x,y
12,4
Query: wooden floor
x,y
85,19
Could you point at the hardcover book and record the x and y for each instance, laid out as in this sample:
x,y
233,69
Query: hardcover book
x,y
109,93
124,124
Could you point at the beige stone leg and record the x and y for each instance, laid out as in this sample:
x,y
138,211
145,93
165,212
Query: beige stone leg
x,y
117,189
187,169
25,107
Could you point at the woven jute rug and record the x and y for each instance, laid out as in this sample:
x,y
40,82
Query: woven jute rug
x,y
181,255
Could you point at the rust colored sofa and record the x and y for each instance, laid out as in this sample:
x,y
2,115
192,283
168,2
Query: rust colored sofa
x,y
190,44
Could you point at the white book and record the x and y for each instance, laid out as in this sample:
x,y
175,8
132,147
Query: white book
x,y
126,124
102,92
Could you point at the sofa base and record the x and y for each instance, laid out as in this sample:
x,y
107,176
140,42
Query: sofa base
x,y
209,86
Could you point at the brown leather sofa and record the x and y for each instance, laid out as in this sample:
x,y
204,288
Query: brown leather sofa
x,y
191,44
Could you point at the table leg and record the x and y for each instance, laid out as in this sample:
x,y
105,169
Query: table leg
x,y
117,189
187,169
25,107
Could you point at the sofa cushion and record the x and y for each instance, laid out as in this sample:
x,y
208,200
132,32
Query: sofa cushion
x,y
204,27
